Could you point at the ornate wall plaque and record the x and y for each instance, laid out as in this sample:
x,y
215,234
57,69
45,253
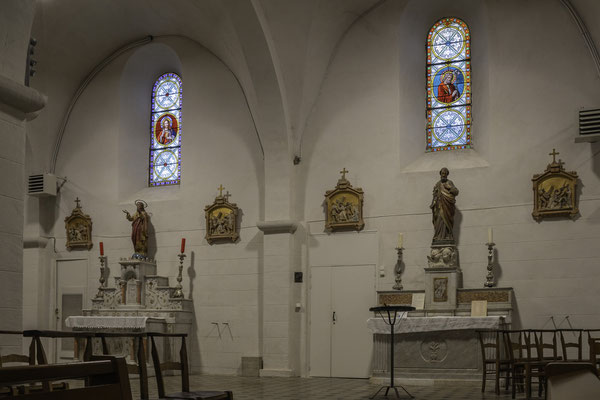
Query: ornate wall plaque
x,y
555,191
344,206
79,229
221,219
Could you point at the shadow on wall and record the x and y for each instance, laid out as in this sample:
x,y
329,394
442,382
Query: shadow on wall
x,y
191,274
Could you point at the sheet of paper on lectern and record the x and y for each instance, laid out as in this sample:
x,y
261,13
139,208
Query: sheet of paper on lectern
x,y
418,301
479,308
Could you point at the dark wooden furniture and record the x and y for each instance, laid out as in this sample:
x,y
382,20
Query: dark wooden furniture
x,y
104,380
37,348
183,367
139,367
571,339
389,316
490,342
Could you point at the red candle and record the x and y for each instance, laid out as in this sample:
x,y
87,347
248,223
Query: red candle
x,y
101,248
182,245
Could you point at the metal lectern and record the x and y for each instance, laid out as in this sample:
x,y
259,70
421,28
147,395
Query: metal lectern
x,y
390,319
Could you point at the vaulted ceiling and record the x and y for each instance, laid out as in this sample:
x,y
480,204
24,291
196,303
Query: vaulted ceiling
x,y
279,50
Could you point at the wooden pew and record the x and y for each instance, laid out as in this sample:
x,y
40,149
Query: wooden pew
x,y
104,380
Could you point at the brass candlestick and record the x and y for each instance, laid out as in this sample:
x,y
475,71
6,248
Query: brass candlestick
x,y
398,285
100,294
489,279
178,294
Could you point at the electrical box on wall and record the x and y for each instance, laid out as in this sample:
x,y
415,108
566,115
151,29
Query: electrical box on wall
x,y
41,185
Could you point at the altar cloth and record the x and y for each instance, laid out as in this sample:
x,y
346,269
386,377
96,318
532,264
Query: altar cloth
x,y
431,324
106,322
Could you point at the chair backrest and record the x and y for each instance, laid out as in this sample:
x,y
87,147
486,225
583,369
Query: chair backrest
x,y
104,380
517,344
594,344
14,358
181,366
489,342
576,342
138,367
546,344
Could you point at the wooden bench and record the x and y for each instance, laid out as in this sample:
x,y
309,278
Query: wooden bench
x,y
103,380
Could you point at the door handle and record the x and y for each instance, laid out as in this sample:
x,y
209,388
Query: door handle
x,y
333,317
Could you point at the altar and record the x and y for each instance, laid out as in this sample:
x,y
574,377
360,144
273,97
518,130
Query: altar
x,y
440,344
140,301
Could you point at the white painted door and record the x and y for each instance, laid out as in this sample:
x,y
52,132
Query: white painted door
x,y
71,294
340,343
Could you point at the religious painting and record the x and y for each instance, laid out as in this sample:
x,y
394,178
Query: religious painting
x,y
440,290
344,206
448,85
555,191
79,229
221,219
165,129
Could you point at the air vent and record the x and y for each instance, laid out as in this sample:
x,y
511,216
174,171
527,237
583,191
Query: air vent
x,y
42,185
589,125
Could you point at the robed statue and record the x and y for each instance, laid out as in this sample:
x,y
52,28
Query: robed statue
x,y
139,229
443,208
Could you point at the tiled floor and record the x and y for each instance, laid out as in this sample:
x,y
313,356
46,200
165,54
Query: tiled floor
x,y
317,389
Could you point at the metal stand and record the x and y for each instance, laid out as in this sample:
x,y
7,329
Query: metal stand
x,y
489,279
391,321
100,293
178,294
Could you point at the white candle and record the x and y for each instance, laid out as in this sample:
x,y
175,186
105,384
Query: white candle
x,y
400,240
490,235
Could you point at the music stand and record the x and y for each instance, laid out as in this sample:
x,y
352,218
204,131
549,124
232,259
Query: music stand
x,y
391,321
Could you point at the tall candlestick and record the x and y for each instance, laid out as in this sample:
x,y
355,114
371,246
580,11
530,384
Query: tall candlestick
x,y
101,248
183,245
400,240
490,235
178,293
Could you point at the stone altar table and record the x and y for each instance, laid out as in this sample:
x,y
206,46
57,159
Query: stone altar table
x,y
431,348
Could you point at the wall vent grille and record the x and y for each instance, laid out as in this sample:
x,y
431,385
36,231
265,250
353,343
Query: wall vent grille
x,y
41,185
589,122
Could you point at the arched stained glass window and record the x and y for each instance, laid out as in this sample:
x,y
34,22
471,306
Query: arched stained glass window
x,y
165,130
448,85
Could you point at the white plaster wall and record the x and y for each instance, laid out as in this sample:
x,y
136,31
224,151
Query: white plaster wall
x,y
104,157
531,74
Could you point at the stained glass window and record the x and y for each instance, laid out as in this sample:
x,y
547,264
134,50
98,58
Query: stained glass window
x,y
165,131
448,85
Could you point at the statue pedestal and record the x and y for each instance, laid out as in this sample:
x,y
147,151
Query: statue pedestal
x,y
441,284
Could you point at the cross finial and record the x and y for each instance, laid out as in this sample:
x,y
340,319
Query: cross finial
x,y
77,201
227,196
220,190
344,172
554,154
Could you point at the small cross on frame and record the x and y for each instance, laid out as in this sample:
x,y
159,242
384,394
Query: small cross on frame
x,y
220,190
553,154
227,196
77,201
344,172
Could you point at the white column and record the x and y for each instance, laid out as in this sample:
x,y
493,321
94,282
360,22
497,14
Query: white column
x,y
18,104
